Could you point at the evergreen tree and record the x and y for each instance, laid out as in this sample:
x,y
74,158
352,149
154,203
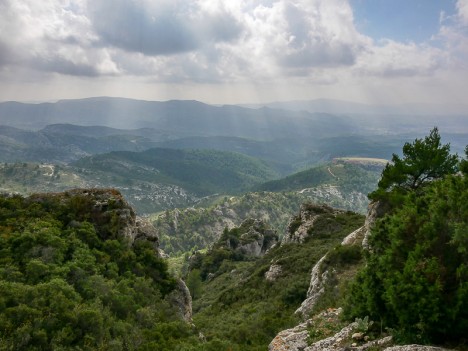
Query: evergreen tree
x,y
416,277
423,161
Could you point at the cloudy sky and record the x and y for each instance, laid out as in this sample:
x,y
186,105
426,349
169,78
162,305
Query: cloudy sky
x,y
220,51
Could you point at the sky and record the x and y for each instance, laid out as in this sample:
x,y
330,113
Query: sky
x,y
243,51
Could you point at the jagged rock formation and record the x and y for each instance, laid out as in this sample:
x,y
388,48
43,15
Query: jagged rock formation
x,y
300,226
318,281
349,337
252,238
322,275
356,237
299,337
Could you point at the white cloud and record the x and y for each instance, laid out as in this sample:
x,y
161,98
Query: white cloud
x,y
215,41
393,59
52,36
462,8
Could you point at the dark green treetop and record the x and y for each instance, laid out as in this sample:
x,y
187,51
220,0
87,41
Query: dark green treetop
x,y
423,161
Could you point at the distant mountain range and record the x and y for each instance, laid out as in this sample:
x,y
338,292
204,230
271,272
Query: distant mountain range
x,y
348,107
176,118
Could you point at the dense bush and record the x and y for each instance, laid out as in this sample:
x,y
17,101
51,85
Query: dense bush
x,y
63,287
416,277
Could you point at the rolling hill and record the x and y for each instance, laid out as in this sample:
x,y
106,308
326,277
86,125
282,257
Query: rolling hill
x,y
203,172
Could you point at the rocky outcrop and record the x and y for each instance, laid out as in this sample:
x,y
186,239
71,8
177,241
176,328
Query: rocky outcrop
x,y
108,211
350,337
252,238
180,298
376,209
415,347
320,276
273,272
294,339
356,237
318,281
300,226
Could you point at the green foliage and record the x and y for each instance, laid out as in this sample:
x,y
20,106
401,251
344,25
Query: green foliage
x,y
203,172
240,306
349,177
344,255
63,287
464,162
423,161
194,283
416,278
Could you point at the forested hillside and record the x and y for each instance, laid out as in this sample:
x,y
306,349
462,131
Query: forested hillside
x,y
347,176
77,271
203,172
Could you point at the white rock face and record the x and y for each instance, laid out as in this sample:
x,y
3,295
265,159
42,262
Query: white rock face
x,y
318,281
298,228
355,237
273,273
295,339
291,339
375,210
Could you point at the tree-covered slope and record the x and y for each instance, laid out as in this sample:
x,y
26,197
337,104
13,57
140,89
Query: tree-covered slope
x,y
347,176
63,143
146,196
203,172
77,272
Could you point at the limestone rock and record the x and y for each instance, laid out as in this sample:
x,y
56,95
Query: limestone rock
x,y
255,238
357,336
316,288
291,339
415,347
180,298
295,339
273,272
376,209
299,226
355,237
